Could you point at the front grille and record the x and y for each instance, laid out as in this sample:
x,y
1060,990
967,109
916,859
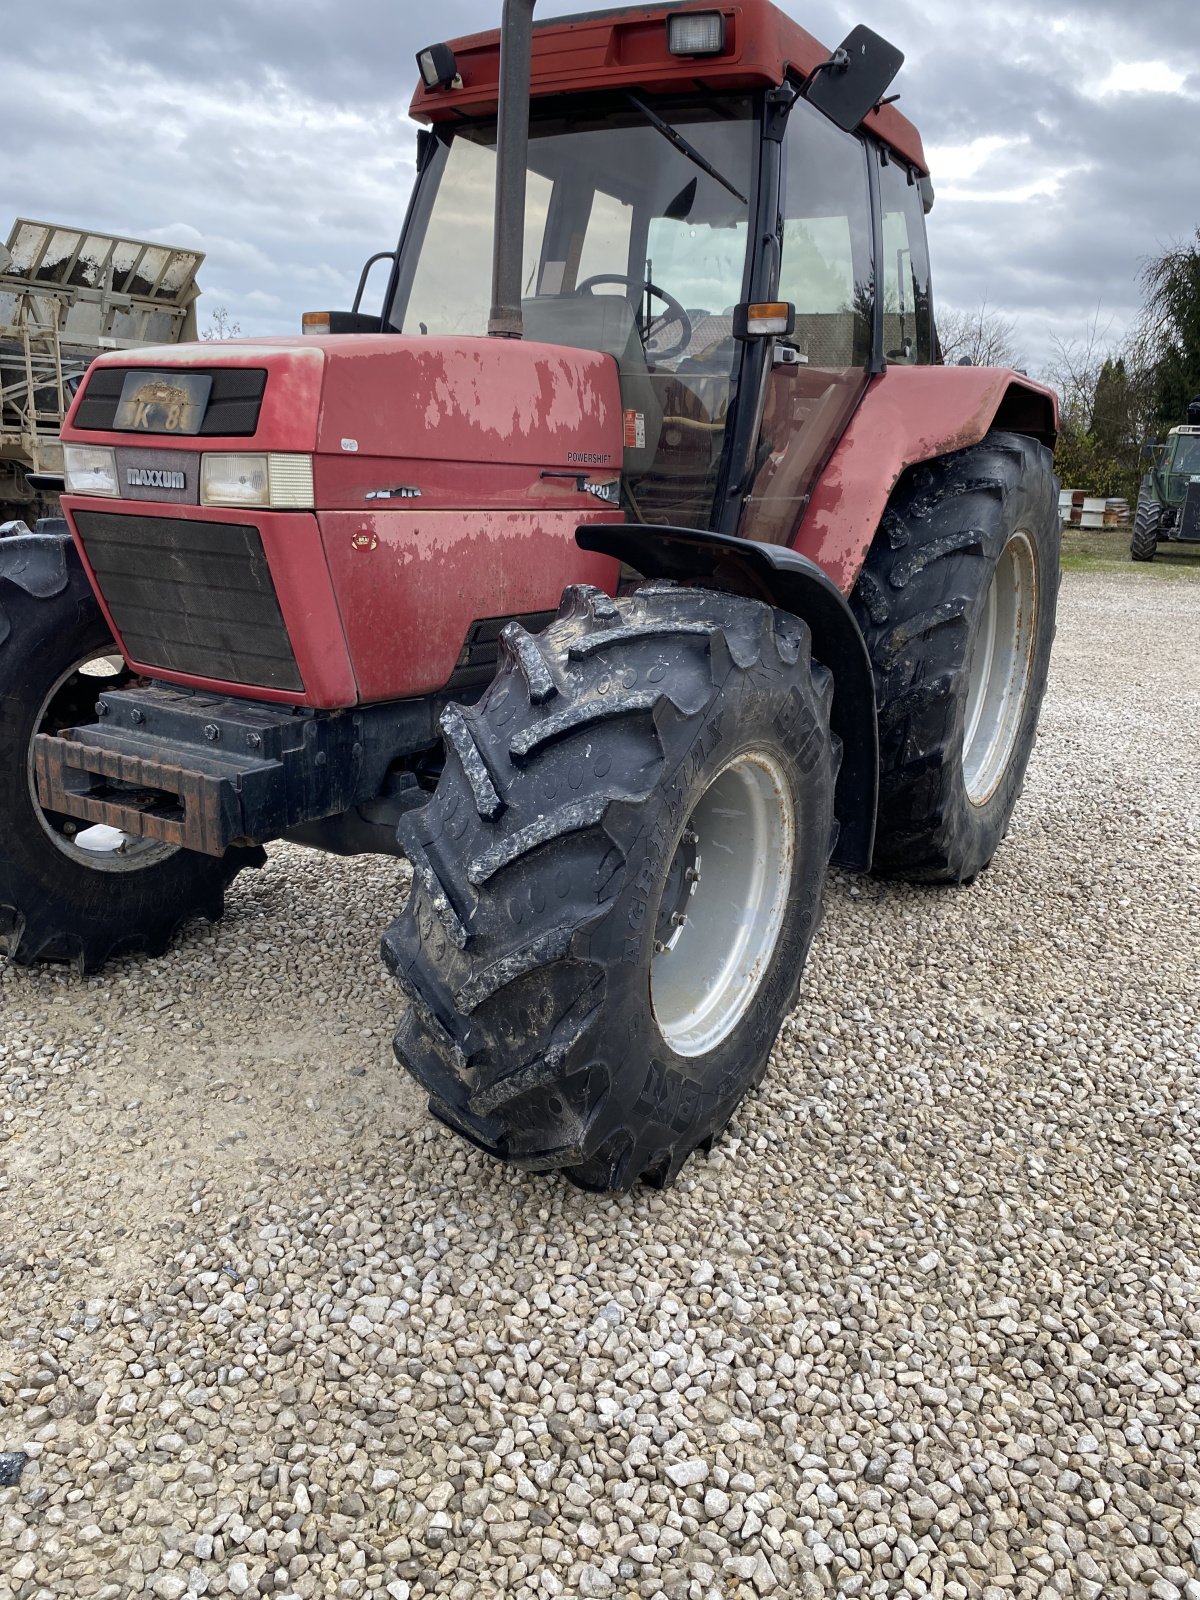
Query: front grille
x,y
1189,517
192,597
233,402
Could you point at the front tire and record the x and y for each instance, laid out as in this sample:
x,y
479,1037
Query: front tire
x,y
59,899
957,602
617,882
1147,525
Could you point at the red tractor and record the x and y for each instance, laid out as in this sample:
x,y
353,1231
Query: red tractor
x,y
620,587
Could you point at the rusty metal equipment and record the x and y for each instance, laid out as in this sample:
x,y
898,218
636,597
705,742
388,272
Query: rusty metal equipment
x,y
66,296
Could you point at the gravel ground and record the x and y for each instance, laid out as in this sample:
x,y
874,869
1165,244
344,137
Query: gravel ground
x,y
927,1322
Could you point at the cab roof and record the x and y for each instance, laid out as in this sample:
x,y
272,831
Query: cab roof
x,y
627,48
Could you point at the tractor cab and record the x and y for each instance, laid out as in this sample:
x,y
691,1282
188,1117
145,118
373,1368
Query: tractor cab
x,y
1181,461
746,261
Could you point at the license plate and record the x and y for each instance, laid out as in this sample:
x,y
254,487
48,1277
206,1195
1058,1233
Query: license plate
x,y
163,402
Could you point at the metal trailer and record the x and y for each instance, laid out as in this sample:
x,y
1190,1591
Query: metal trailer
x,y
66,296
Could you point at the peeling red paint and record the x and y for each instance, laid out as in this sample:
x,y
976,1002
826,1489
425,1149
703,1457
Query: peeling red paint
x,y
469,400
411,590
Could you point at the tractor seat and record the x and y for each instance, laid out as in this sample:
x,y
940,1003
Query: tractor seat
x,y
603,322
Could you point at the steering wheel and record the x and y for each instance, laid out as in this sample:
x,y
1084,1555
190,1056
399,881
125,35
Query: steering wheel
x,y
675,312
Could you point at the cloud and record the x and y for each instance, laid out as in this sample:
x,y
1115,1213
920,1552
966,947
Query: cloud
x,y
274,136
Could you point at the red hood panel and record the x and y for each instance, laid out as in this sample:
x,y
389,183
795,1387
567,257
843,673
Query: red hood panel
x,y
496,401
503,403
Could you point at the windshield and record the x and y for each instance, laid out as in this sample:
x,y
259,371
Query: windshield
x,y
1185,458
631,247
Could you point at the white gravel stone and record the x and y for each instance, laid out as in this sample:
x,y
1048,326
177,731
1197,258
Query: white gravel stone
x,y
924,1322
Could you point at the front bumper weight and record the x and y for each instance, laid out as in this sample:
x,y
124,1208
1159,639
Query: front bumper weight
x,y
200,772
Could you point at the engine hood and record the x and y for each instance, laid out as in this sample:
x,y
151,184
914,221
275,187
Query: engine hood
x,y
501,402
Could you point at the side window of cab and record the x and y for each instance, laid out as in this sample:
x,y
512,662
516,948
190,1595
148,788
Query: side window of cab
x,y
907,310
826,270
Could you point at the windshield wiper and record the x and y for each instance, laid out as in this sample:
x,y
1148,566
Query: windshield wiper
x,y
682,145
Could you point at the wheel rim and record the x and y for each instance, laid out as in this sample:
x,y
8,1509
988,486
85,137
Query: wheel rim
x,y
99,847
1000,669
723,906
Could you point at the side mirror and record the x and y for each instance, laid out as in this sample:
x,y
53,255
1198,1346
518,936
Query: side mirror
x,y
855,78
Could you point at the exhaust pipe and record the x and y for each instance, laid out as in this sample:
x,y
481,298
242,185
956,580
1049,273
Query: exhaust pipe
x,y
512,152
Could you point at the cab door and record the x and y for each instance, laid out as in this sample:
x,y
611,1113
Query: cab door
x,y
827,273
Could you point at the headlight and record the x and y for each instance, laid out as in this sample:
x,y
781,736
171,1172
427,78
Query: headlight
x,y
90,469
281,482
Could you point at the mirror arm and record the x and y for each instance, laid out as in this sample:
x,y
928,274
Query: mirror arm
x,y
839,61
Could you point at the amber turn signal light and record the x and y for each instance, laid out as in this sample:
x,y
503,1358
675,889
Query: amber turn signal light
x,y
764,319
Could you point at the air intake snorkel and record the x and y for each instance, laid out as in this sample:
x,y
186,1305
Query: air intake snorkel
x,y
512,152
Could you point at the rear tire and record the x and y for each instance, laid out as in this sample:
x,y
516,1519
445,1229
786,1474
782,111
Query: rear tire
x,y
58,900
957,602
650,772
1147,524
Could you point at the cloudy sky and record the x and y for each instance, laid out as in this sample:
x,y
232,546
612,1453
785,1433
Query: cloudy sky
x,y
273,135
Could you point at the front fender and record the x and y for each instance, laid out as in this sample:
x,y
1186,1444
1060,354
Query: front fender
x,y
790,581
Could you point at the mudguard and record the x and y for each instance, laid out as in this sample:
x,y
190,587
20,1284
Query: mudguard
x,y
39,563
789,580
909,415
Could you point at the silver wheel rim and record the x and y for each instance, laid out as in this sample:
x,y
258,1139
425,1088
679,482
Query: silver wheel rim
x,y
99,847
723,930
999,670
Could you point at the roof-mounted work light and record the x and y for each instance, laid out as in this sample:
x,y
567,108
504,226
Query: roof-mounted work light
x,y
438,68
696,33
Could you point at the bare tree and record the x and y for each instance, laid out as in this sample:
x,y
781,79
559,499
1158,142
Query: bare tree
x,y
1106,404
1074,370
220,326
981,336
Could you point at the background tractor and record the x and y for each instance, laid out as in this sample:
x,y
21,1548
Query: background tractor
x,y
619,589
1169,500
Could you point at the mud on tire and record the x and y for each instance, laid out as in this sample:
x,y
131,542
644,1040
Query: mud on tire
x,y
57,902
555,853
922,602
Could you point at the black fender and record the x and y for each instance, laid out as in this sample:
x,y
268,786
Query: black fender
x,y
39,563
792,582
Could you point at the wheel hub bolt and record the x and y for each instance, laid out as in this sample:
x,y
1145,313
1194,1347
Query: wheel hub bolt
x,y
101,708
211,732
137,716
678,918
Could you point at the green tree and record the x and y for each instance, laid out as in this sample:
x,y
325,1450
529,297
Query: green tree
x,y
1110,405
1170,329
